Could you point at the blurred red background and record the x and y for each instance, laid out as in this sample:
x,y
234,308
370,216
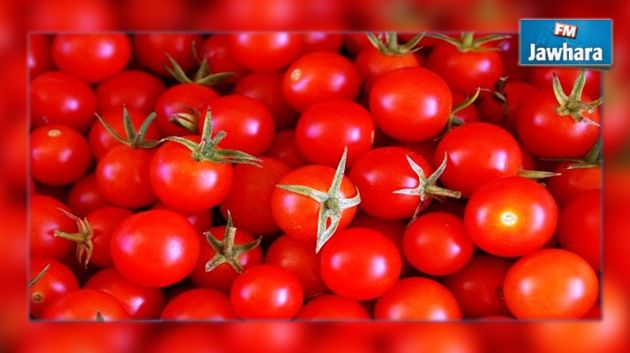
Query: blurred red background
x,y
18,17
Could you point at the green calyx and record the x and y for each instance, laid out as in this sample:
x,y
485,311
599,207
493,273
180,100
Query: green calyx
x,y
387,43
454,120
39,276
467,41
572,104
134,139
201,77
186,119
226,252
83,238
331,203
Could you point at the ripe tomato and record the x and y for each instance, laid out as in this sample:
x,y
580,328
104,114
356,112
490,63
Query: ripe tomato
x,y
417,298
101,141
573,181
199,304
371,64
332,308
87,305
155,248
266,292
140,302
265,51
136,90
469,114
360,264
322,41
511,216
103,222
202,221
59,155
477,153
437,244
45,219
579,227
327,128
91,57
85,196
284,148
502,111
216,51
551,284
56,282
59,98
151,50
411,104
542,77
38,54
317,77
188,101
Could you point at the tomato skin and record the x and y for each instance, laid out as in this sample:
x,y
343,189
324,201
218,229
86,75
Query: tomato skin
x,y
199,304
202,221
284,148
470,114
57,281
543,285
372,64
86,304
155,248
151,50
123,177
251,188
478,287
579,227
573,181
411,104
417,298
332,308
220,59
322,41
183,98
317,77
360,264
537,123
511,216
59,155
472,160
136,90
91,57
382,171
104,221
543,77
186,185
296,214
265,51
437,244
85,196
45,218
101,141
140,302
59,98
325,129
299,258
266,292
38,54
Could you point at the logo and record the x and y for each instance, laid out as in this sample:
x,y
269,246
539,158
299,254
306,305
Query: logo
x,y
565,42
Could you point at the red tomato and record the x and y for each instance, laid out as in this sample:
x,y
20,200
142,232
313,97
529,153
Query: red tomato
x,y
140,302
360,264
266,292
85,196
152,49
87,305
503,113
332,308
102,141
265,51
317,77
511,216
284,148
202,221
579,227
136,90
411,104
437,244
322,41
187,99
56,282
543,77
103,222
220,59
372,64
155,248
38,54
469,114
91,57
197,305
573,181
45,219
551,284
299,258
477,153
417,298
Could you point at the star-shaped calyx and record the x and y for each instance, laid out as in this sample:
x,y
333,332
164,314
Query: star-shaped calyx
x,y
573,104
83,238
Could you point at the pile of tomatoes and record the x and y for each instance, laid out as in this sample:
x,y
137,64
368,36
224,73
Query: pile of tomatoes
x,y
310,176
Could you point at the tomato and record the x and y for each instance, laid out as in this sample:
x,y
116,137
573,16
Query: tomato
x,y
437,244
251,188
327,128
372,64
86,304
85,196
478,287
102,141
511,216
322,41
45,219
266,292
59,155
202,221
56,281
155,248
503,113
91,57
151,50
259,51
136,90
182,101
199,304
579,227
356,42
284,148
469,114
59,98
551,284
140,302
332,308
411,104
38,54
299,258
216,51
317,77
573,181
477,153
417,298
103,222
542,77
360,264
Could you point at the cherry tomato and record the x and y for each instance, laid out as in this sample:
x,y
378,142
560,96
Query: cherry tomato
x,y
85,196
103,222
136,90
284,148
215,49
372,63
202,221
38,54
102,141
86,304
573,181
543,76
503,113
332,308
551,284
155,248
188,99
470,114
322,41
56,282
199,304
266,292
265,51
45,219
511,216
152,49
579,227
411,104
